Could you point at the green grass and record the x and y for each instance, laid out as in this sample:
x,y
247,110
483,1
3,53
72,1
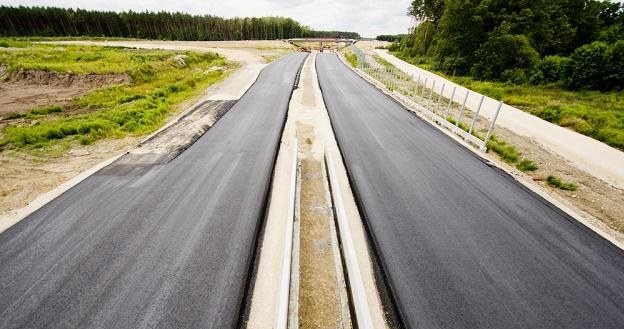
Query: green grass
x,y
506,151
137,108
526,165
558,183
352,59
599,115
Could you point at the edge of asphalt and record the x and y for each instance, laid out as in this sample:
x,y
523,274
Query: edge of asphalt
x,y
254,259
570,214
13,217
582,220
261,315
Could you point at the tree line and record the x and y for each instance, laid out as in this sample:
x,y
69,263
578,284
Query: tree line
x,y
578,44
61,22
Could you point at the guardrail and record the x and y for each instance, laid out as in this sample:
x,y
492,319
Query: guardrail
x,y
422,94
284,289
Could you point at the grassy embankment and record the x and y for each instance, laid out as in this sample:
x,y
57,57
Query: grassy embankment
x,y
596,114
159,83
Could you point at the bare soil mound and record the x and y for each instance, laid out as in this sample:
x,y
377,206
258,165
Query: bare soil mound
x,y
23,90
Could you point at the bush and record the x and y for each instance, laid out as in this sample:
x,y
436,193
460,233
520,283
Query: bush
x,y
526,165
552,69
551,113
589,66
515,76
352,59
503,52
615,66
507,152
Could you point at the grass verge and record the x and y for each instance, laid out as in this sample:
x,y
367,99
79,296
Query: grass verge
x,y
160,82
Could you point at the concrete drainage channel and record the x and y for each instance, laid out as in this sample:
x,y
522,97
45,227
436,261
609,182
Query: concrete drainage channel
x,y
315,268
325,218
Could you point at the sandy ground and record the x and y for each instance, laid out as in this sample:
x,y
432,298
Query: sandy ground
x,y
321,288
25,177
372,44
588,154
598,202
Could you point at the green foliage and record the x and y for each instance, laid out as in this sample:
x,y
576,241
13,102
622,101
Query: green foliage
x,y
614,79
390,37
506,151
114,111
552,69
50,21
526,165
503,40
352,59
558,183
589,65
505,56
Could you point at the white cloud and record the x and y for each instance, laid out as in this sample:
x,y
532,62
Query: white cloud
x,y
367,17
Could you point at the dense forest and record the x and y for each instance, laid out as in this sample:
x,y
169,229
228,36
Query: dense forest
x,y
60,22
577,44
390,37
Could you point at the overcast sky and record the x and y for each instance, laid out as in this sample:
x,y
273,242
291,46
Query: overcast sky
x,y
367,17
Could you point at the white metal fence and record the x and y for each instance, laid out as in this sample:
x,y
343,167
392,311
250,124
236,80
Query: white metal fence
x,y
430,100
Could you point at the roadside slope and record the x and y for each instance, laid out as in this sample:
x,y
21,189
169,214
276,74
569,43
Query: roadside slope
x,y
461,244
156,245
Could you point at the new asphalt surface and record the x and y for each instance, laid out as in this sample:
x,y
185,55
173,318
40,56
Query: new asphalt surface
x,y
461,244
153,246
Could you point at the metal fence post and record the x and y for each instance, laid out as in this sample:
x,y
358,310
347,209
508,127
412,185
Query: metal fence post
x,y
440,97
476,115
422,94
416,83
462,108
448,109
489,133
430,94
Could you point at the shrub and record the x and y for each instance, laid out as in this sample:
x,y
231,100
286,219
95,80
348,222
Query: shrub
x,y
550,113
551,69
507,152
352,59
558,183
589,64
515,76
503,51
615,66
526,165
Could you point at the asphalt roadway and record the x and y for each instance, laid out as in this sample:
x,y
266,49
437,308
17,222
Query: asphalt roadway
x,y
153,246
461,244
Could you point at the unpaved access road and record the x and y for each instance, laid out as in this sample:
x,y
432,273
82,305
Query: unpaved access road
x,y
461,243
153,246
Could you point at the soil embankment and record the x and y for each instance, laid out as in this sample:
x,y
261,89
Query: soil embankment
x,y
22,90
